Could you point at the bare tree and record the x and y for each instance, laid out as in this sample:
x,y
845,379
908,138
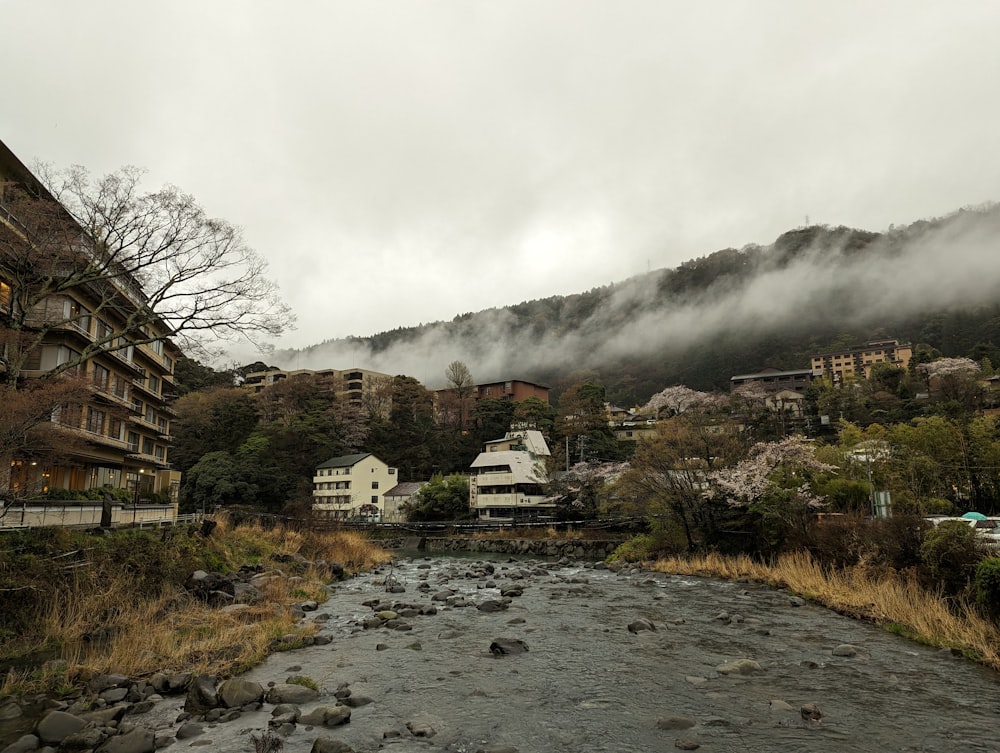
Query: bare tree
x,y
460,383
148,264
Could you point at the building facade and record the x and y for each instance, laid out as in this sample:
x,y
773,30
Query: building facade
x,y
352,487
837,365
363,387
508,478
122,432
775,380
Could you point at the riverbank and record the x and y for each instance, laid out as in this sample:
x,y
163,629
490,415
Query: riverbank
x,y
483,654
893,601
82,604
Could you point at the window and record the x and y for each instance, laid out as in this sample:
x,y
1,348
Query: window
x,y
374,499
374,484
157,346
392,471
159,452
150,415
147,446
101,376
133,441
168,364
154,384
78,316
95,421
115,428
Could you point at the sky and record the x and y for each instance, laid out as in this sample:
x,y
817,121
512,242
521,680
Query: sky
x,y
400,163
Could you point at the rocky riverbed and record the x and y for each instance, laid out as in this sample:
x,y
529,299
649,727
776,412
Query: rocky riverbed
x,y
464,655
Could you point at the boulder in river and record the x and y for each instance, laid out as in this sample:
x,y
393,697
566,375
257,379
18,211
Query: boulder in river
x,y
508,646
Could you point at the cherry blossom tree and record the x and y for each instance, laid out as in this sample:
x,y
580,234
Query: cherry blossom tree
x,y
673,401
775,481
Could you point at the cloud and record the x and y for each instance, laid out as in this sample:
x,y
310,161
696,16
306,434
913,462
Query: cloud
x,y
928,267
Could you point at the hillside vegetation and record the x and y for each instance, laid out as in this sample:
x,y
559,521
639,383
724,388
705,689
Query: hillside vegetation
x,y
733,311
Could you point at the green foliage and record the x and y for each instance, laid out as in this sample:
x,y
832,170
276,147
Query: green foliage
x,y
950,554
304,681
442,498
987,586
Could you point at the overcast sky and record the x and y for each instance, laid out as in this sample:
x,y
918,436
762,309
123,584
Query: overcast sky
x,y
404,162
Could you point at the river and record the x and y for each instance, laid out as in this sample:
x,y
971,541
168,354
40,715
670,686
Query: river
x,y
589,683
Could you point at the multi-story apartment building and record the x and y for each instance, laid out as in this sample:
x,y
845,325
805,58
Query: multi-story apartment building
x,y
839,364
509,476
359,386
123,428
352,487
511,389
775,380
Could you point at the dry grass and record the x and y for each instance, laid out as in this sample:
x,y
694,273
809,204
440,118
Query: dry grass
x,y
110,626
893,600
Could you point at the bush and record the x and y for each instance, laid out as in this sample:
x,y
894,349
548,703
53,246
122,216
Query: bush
x,y
881,544
950,554
987,586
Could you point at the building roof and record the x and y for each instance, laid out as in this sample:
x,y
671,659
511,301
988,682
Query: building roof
x,y
344,461
405,489
772,373
524,469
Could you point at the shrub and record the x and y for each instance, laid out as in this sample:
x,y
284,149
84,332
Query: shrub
x,y
950,554
881,544
987,586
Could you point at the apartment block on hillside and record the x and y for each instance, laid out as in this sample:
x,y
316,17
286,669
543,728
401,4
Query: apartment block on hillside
x,y
371,389
839,364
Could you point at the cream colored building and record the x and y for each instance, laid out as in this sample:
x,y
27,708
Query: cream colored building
x,y
843,363
352,487
508,478
370,389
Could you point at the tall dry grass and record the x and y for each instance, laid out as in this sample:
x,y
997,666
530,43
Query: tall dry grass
x,y
893,600
108,622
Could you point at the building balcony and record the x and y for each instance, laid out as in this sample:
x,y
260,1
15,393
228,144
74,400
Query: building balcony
x,y
510,500
494,478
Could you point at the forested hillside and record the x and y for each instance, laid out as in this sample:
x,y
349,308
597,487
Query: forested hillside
x,y
733,311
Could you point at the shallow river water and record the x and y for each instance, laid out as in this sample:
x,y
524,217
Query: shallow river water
x,y
587,683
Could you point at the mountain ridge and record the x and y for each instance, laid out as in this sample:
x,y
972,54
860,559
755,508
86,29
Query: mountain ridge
x,y
732,311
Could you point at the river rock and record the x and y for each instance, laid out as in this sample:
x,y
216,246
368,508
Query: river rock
x,y
288,693
686,743
202,695
675,722
138,740
104,717
189,729
237,692
113,695
104,682
508,646
492,605
9,709
207,586
86,739
327,716
739,667
845,649
55,726
810,712
639,625
357,701
23,744
421,729
330,745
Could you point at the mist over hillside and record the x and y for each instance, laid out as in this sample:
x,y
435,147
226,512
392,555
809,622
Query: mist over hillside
x,y
731,312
